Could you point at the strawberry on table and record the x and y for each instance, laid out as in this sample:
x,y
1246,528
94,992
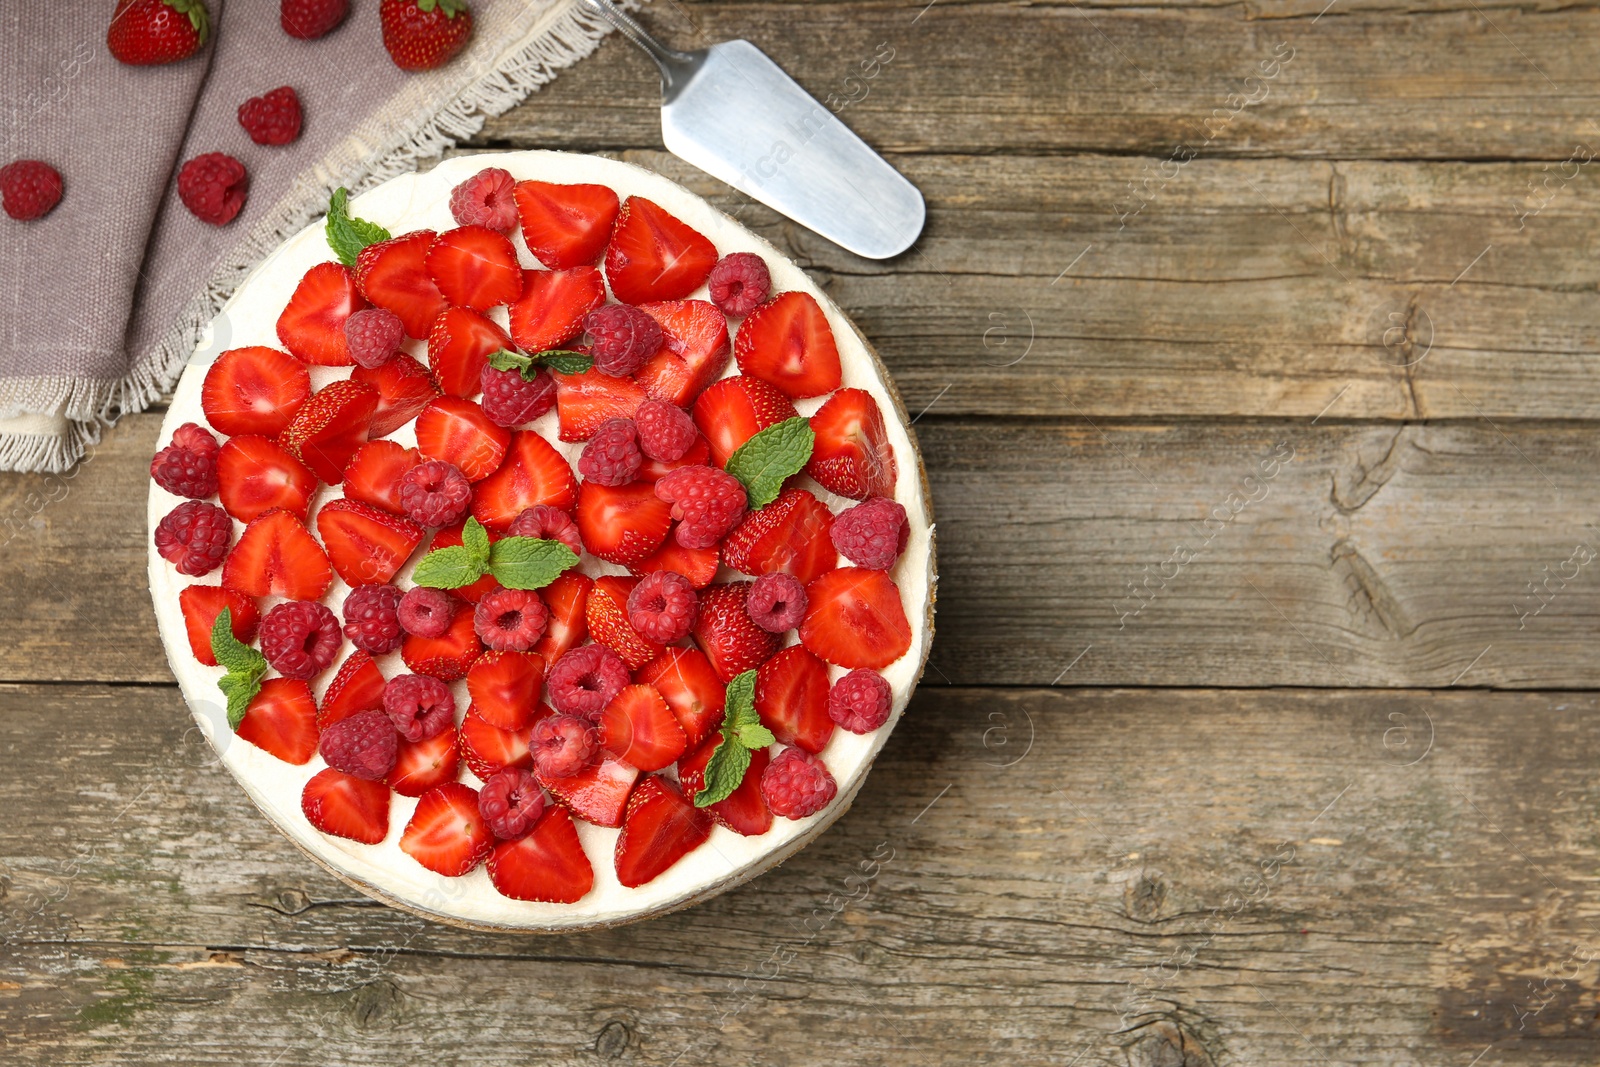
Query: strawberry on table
x,y
532,473
282,719
598,793
854,619
312,325
733,410
254,390
277,556
787,341
365,545
550,311
565,226
693,354
310,19
374,473
393,274
548,864
654,255
459,346
424,34
624,524
342,805
788,536
691,688
201,604
792,698
151,32
458,432
331,426
727,635
257,474
404,389
29,189
585,402
659,829
475,267
852,455
446,833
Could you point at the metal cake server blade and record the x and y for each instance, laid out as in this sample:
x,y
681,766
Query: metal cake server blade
x,y
735,114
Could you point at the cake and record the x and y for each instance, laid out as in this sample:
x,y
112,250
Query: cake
x,y
607,660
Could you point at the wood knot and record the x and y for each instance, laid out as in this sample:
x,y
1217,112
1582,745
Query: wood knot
x,y
612,1040
371,1004
1142,898
1166,1044
293,901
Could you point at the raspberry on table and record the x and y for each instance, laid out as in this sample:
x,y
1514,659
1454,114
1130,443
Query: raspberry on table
x,y
547,523
363,745
797,784
739,283
372,618
776,602
511,801
860,701
510,400
435,493
511,619
310,19
426,612
213,187
621,338
188,466
665,430
707,502
419,706
272,118
662,607
583,681
612,455
563,745
300,638
194,537
872,534
485,200
29,189
373,336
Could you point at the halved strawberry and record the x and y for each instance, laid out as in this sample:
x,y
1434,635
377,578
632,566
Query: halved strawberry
x,y
565,598
852,455
449,537
421,765
505,686
854,619
607,615
584,401
254,390
598,793
694,350
487,748
622,524
366,546
532,473
639,728
282,720
691,688
448,657
653,470
725,633
404,388
277,556
201,604
393,274
787,341
733,410
547,864
792,698
565,225
343,805
373,476
256,474
552,306
699,565
788,536
459,346
457,431
446,834
659,829
358,686
312,326
745,810
475,267
653,255
330,428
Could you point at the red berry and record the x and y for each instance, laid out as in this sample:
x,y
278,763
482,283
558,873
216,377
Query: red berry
x,y
272,118
423,39
511,801
29,189
873,534
435,493
300,638
194,537
860,701
665,430
310,19
373,336
612,455
777,602
213,187
797,784
485,199
707,501
548,524
621,338
739,283
583,681
150,32
662,607
510,400
511,619
419,706
726,634
362,746
563,745
187,466
372,618
426,612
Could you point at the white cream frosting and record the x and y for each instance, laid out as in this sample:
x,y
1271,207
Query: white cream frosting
x,y
421,201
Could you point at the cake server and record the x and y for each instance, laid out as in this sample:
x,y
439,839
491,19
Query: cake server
x,y
735,114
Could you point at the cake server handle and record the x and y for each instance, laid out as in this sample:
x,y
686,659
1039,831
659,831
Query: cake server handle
x,y
676,67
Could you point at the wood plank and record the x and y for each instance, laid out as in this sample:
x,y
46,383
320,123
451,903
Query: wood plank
x,y
1266,877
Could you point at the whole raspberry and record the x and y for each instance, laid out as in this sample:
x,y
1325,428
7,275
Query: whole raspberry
x,y
707,501
797,784
662,607
612,455
363,745
300,638
621,338
272,118
872,534
563,745
194,537
739,283
548,524
213,187
29,189
372,618
426,612
510,619
777,602
419,706
310,19
485,200
583,681
373,336
665,430
860,701
435,493
511,801
509,399
187,466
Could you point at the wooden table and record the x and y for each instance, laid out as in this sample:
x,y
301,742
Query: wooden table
x,y
1253,347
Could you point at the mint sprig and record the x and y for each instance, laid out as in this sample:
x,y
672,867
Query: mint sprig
x,y
742,733
245,667
770,458
514,562
347,235
557,359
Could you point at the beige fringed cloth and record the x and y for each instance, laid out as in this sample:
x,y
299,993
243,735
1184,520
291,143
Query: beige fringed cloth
x,y
104,298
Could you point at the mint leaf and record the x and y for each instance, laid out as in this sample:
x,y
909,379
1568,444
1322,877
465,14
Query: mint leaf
x,y
245,667
347,236
741,733
505,359
475,539
754,735
724,771
771,457
528,562
740,704
565,362
557,359
449,568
